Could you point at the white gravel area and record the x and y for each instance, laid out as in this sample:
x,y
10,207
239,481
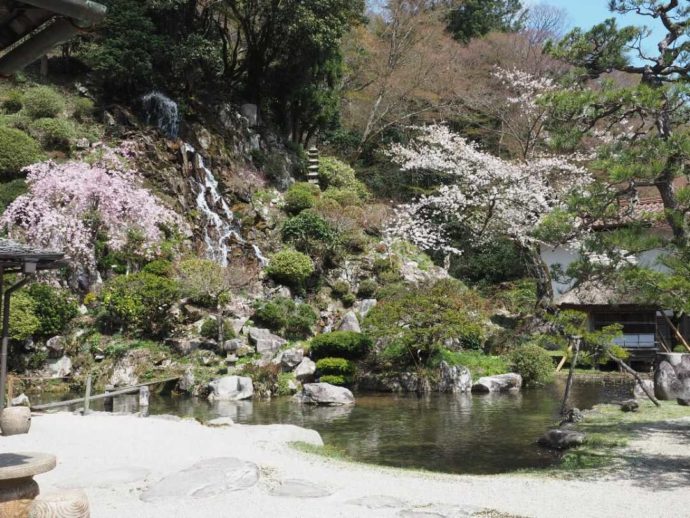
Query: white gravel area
x,y
117,459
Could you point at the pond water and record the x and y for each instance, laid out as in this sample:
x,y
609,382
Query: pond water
x,y
478,434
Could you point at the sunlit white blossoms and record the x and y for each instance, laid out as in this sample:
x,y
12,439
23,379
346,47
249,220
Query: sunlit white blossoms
x,y
484,196
71,205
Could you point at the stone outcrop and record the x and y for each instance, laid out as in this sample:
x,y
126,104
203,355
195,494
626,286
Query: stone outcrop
x,y
501,383
561,439
639,393
454,378
672,376
305,370
266,343
56,346
231,388
60,368
365,306
325,394
291,358
350,323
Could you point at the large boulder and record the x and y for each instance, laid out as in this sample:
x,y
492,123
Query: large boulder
x,y
561,439
454,378
639,393
56,346
672,376
185,345
231,388
365,306
501,383
291,358
325,394
350,323
60,368
305,370
266,343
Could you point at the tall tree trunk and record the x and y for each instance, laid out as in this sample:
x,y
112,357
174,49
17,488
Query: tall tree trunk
x,y
571,372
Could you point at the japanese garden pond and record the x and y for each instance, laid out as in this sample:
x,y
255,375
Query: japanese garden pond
x,y
454,433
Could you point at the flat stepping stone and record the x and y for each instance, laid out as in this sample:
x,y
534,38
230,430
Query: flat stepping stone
x,y
205,479
106,478
297,488
378,502
441,511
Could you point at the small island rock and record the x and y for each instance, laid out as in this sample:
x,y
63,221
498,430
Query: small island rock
x,y
500,383
325,394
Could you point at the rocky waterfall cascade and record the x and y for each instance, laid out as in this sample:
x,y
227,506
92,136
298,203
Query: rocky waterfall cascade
x,y
162,112
220,228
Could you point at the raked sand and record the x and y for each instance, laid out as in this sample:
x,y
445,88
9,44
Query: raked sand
x,y
120,462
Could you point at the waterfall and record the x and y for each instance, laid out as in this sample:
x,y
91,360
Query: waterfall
x,y
220,227
162,112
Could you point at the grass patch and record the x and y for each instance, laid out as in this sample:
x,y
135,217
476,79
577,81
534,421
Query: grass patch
x,y
328,451
477,362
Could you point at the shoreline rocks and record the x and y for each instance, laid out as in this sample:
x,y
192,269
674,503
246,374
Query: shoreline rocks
x,y
231,388
561,439
510,382
672,376
325,394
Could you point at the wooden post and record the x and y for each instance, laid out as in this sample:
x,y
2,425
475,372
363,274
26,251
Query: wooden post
x,y
108,401
87,395
10,390
144,401
675,331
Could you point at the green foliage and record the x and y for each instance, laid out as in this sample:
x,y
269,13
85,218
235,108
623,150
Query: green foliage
x,y
209,329
340,180
340,288
17,150
54,307
10,191
335,366
348,299
83,109
367,289
290,267
53,134
160,267
311,234
340,344
300,196
335,379
282,315
23,320
519,297
533,363
203,281
43,102
411,325
475,18
13,101
494,262
138,303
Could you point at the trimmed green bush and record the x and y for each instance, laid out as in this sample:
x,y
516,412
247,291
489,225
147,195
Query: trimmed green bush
x,y
340,344
53,134
290,267
10,191
23,320
203,281
335,366
309,233
13,102
348,299
138,303
17,150
367,289
335,379
340,288
334,173
533,363
83,109
159,267
343,196
209,329
286,317
300,196
54,307
43,101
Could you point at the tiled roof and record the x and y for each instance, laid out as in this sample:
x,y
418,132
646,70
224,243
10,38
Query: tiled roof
x,y
14,254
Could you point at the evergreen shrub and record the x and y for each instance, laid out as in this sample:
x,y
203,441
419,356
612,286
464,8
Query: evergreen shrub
x,y
290,267
42,101
340,344
17,150
533,363
300,196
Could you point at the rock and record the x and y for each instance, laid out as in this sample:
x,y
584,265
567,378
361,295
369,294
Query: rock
x,y
186,382
672,376
237,324
639,393
185,346
305,370
82,143
266,342
350,323
231,346
56,346
291,358
60,368
207,478
683,402
124,374
561,439
295,488
231,388
574,415
499,383
245,350
454,379
251,113
365,306
21,400
325,394
220,422
630,406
